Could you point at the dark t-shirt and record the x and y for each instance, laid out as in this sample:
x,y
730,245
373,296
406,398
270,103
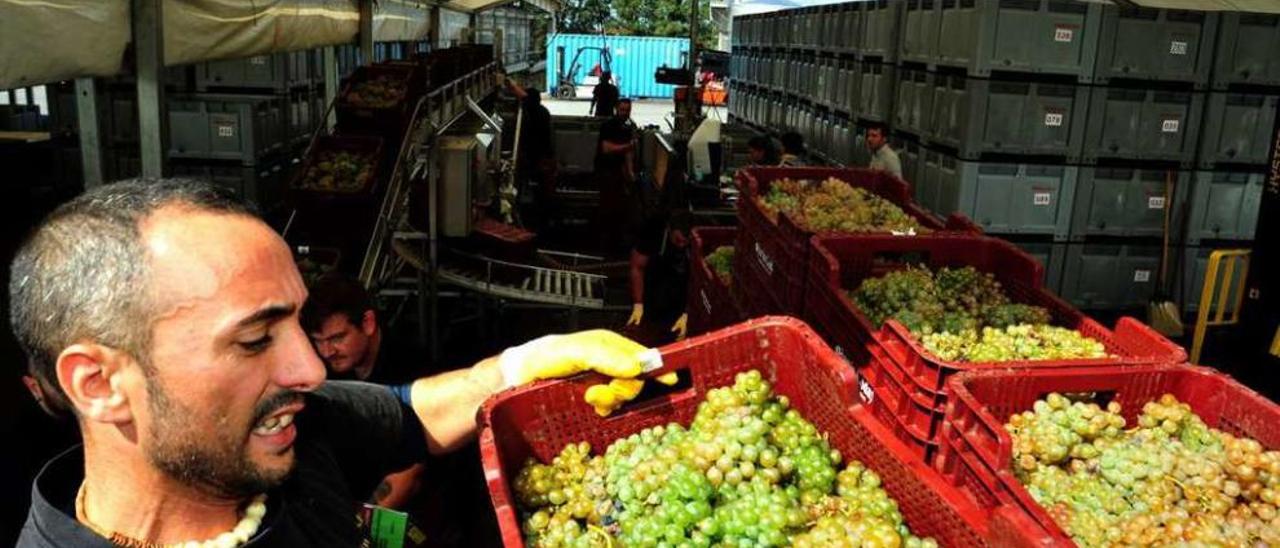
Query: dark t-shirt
x,y
536,140
350,436
399,362
666,278
618,132
606,97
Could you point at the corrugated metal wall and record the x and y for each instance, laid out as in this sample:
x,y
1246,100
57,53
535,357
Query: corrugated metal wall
x,y
451,25
635,58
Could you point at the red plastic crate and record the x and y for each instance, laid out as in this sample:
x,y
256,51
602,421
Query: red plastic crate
x,y
903,382
540,419
752,285
367,147
387,121
977,450
711,305
782,247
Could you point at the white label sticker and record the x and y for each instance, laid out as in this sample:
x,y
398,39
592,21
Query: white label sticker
x,y
1063,34
1141,276
1053,119
1170,126
259,60
868,395
1177,48
1155,202
1041,198
765,261
706,303
226,130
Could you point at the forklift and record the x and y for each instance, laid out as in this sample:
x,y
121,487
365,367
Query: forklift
x,y
566,88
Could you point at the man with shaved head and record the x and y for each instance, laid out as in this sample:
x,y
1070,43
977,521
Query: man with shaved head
x,y
163,315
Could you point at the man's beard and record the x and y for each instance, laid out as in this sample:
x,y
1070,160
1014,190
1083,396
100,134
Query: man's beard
x,y
215,461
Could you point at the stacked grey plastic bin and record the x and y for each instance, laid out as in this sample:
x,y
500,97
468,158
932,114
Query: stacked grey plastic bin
x,y
819,71
1056,124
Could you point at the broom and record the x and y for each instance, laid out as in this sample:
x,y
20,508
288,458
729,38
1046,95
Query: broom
x,y
1162,312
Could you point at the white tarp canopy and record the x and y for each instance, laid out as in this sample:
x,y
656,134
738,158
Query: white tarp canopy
x,y
50,40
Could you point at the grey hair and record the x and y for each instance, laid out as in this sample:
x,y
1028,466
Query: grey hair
x,y
82,274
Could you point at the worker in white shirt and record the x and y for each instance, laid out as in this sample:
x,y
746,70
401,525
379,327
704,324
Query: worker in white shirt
x,y
883,157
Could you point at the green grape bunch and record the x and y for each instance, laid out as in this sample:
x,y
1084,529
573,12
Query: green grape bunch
x,y
721,262
833,205
749,470
962,314
1170,480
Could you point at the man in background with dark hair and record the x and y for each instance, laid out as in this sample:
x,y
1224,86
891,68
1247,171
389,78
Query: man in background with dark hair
x,y
615,173
883,157
535,158
761,151
793,151
604,99
343,324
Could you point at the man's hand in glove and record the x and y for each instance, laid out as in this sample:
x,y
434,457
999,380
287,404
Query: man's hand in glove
x,y
681,327
605,352
558,356
637,314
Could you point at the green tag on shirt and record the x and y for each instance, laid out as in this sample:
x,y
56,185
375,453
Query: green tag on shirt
x,y
388,528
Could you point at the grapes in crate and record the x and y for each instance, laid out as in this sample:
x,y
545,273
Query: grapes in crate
x,y
836,206
1170,480
721,262
382,91
961,314
749,470
337,171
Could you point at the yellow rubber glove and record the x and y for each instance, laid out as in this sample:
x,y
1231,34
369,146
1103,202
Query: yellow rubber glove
x,y
637,314
558,356
681,327
606,398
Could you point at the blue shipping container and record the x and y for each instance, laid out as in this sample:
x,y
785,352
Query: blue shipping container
x,y
635,59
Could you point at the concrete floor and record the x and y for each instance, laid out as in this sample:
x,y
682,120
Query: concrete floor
x,y
646,112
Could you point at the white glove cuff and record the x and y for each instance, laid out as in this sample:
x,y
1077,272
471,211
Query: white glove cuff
x,y
511,361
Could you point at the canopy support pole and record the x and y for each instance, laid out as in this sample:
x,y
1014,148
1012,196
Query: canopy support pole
x,y
90,141
153,127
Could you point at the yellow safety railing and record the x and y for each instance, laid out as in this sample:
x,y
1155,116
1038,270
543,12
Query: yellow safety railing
x,y
1215,297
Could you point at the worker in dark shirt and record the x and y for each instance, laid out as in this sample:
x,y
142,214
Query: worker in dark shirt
x,y
659,279
343,324
605,97
615,173
165,313
535,157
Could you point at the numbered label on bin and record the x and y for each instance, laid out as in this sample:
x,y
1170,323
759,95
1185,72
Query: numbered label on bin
x,y
226,130
1177,47
1155,202
1063,34
1170,126
1141,276
864,389
1041,198
1053,119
